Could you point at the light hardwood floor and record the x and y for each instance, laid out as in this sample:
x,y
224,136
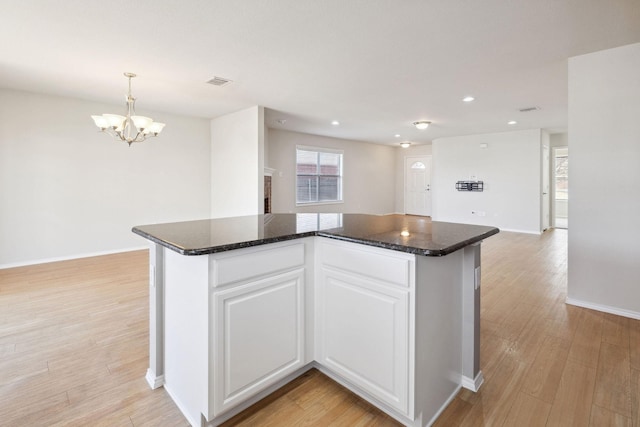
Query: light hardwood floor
x,y
73,351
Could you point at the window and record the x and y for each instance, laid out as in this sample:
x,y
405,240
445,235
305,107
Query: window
x,y
562,177
318,175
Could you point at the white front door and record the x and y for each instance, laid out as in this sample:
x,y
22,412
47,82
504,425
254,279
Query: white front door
x,y
546,206
417,186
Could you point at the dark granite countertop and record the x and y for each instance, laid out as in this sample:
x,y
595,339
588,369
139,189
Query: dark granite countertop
x,y
412,234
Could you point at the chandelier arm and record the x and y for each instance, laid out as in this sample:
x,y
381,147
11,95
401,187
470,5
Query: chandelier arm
x,y
112,132
137,135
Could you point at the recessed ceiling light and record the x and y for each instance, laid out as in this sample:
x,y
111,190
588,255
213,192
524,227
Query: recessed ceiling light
x,y
397,135
405,144
468,98
512,122
421,124
335,123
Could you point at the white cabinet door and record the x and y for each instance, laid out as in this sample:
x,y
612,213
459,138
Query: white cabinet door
x,y
363,329
257,337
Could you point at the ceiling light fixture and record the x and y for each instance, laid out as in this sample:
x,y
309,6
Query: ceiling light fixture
x,y
421,124
335,123
512,122
405,144
397,135
468,99
129,128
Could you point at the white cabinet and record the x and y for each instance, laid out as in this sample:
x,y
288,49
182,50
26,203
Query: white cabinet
x,y
234,326
258,336
363,324
387,324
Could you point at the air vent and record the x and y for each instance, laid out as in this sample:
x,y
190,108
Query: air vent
x,y
528,109
219,81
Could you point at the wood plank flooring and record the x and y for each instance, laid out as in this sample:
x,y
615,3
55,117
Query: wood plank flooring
x,y
74,349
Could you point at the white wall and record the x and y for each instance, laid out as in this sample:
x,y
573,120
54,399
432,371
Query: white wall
x,y
559,139
369,174
237,163
510,167
68,190
604,136
401,155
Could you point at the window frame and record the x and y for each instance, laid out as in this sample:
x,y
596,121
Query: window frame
x,y
340,177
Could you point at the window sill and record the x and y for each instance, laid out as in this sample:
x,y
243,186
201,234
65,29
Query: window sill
x,y
319,203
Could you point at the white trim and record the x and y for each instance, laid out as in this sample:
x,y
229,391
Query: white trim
x,y
71,257
604,308
473,384
382,406
225,416
337,202
511,230
153,380
321,149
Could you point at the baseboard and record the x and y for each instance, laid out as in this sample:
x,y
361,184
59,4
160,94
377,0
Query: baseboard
x,y
513,230
225,416
473,384
604,308
70,257
153,380
392,412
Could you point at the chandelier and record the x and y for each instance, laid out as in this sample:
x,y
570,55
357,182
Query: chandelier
x,y
129,128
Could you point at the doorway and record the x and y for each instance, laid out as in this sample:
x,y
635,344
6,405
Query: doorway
x,y
546,208
561,187
417,186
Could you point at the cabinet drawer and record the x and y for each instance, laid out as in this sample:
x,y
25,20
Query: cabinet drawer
x,y
256,262
384,266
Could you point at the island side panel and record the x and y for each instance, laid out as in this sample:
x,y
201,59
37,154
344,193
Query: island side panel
x,y
439,345
155,373
186,320
472,377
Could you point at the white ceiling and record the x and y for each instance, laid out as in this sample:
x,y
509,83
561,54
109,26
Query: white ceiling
x,y
374,65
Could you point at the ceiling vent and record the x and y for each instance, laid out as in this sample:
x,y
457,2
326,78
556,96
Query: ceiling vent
x,y
528,109
219,81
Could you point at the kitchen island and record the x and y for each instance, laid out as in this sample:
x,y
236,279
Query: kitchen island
x,y
387,305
